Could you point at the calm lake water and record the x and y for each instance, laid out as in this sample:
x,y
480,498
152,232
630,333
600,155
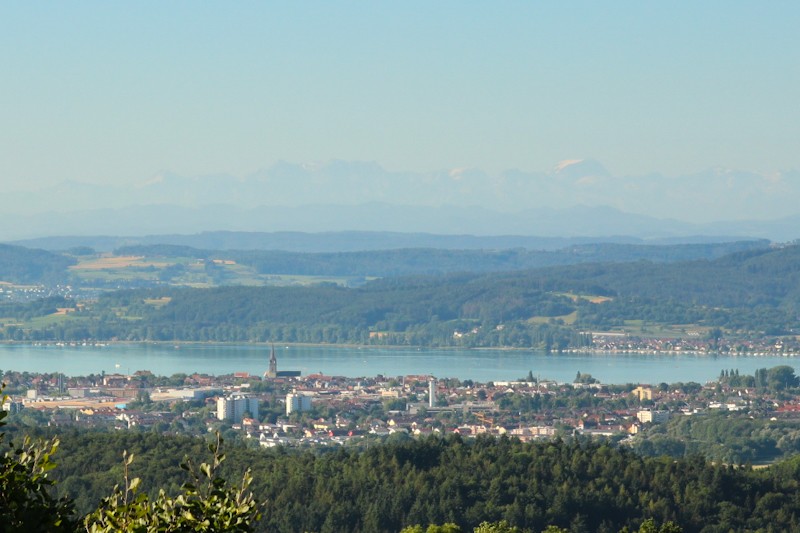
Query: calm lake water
x,y
478,365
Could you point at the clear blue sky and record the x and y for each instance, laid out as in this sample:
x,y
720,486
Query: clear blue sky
x,y
114,92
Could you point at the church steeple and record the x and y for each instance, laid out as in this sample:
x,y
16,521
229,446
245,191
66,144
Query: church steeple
x,y
273,365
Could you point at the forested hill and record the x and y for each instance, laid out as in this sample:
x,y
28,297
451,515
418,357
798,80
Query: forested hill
x,y
748,291
382,263
586,487
391,306
764,277
755,291
30,265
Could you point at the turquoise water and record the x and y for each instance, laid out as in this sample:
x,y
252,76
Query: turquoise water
x,y
479,365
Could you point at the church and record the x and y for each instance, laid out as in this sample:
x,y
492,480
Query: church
x,y
273,372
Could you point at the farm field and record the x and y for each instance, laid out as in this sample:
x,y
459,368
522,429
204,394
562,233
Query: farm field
x,y
107,269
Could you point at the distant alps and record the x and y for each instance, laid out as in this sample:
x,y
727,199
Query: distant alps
x,y
576,197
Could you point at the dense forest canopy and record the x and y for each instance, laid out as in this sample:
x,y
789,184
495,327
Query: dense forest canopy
x,y
764,277
587,487
755,290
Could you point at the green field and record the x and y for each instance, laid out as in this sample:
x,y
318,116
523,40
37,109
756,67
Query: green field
x,y
568,319
47,320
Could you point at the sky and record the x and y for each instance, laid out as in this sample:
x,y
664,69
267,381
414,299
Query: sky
x,y
116,92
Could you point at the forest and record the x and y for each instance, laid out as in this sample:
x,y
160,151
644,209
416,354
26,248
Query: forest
x,y
748,293
407,261
22,265
585,487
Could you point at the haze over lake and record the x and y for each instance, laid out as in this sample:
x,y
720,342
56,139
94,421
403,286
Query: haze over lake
x,y
478,365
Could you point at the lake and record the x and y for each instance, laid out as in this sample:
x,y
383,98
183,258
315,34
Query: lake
x,y
478,365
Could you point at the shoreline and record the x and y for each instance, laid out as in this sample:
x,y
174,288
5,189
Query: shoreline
x,y
267,345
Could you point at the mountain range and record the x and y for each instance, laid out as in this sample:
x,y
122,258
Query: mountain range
x,y
575,198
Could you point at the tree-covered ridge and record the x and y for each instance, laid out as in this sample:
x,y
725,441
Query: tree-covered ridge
x,y
768,277
406,261
386,304
744,294
31,266
584,487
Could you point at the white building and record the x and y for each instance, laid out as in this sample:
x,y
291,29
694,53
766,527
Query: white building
x,y
655,417
234,407
297,402
13,406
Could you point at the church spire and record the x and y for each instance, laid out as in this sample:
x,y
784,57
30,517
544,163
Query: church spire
x,y
273,365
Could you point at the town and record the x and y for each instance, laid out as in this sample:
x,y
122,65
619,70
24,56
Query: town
x,y
283,408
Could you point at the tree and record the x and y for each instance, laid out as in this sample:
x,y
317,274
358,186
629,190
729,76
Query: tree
x,y
586,379
496,527
205,506
446,528
26,504
782,377
649,526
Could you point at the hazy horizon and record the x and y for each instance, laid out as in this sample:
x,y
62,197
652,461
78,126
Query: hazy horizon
x,y
570,117
112,94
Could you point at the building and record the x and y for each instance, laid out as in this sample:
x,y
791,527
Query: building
x,y
13,406
297,402
234,407
432,393
273,373
656,417
643,392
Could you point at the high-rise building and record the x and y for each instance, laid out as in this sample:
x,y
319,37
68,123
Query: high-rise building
x,y
234,407
432,393
297,402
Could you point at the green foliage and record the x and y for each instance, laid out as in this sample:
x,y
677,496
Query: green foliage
x,y
446,528
384,488
648,526
776,379
782,377
204,506
496,527
26,503
585,379
730,438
